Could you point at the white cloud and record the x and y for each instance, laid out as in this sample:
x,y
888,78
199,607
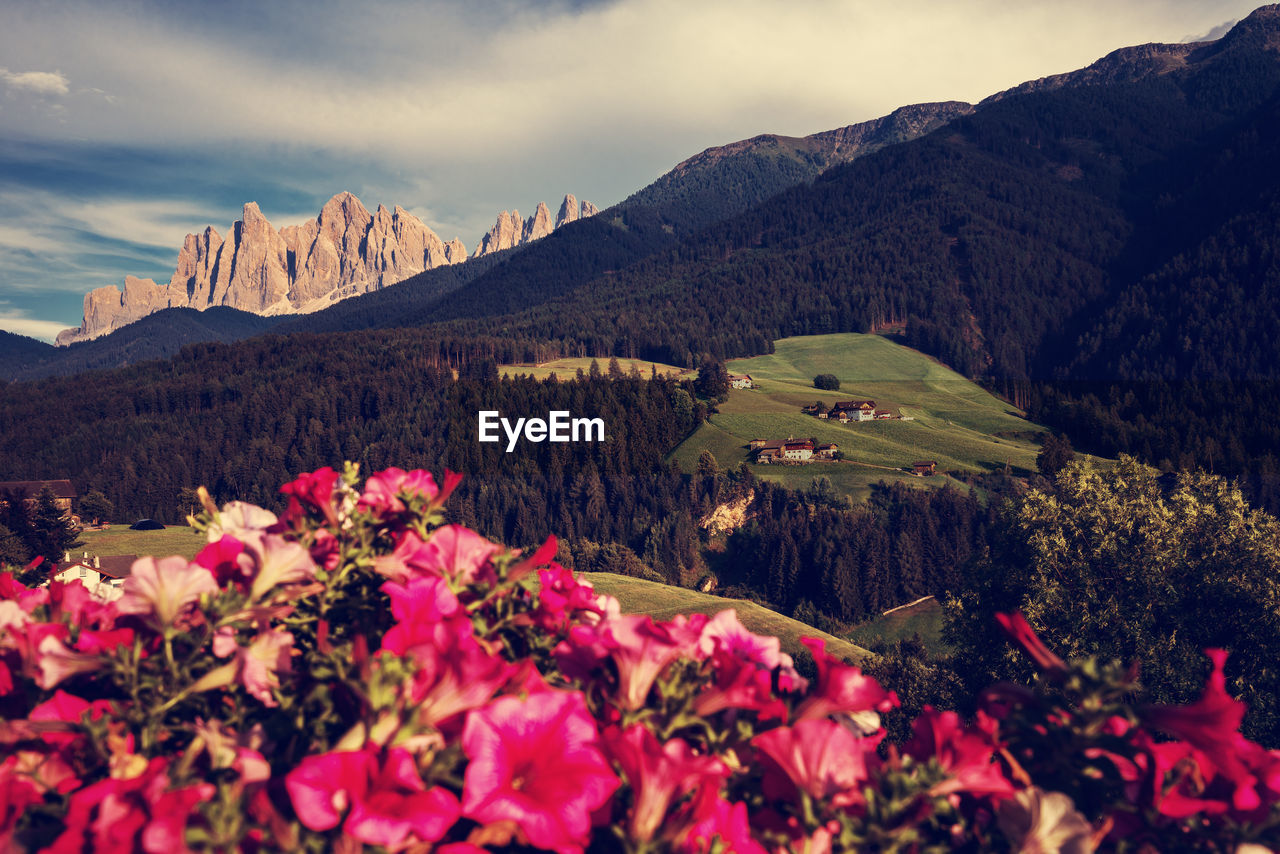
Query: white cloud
x,y
38,82
21,323
457,110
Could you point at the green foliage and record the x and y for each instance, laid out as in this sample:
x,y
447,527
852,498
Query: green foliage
x,y
13,551
1111,565
827,382
1055,455
713,380
95,506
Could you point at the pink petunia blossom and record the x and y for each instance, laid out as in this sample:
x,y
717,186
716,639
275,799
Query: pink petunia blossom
x,y
562,598
56,662
313,491
739,684
266,658
659,774
722,822
966,753
277,562
725,631
383,491
164,588
642,649
385,803
458,553
239,519
536,761
322,787
841,688
133,813
821,757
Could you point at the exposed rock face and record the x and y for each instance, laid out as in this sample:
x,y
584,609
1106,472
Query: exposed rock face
x,y
343,252
510,230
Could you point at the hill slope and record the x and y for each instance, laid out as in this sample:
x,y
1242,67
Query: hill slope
x,y
954,422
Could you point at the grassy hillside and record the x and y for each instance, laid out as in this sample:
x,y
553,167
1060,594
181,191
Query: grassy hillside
x,y
956,423
923,618
119,540
635,595
662,601
568,367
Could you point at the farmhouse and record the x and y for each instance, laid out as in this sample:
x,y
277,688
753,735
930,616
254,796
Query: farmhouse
x,y
741,381
30,490
104,576
853,410
791,450
925,468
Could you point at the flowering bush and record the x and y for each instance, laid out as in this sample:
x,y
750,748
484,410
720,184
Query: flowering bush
x,y
357,673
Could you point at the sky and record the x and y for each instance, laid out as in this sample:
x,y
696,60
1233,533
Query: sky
x,y
126,125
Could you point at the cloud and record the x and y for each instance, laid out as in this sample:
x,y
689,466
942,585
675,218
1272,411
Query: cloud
x,y
45,83
21,323
456,110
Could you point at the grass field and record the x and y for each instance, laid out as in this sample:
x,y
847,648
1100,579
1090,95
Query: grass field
x,y
955,422
923,619
568,368
119,540
662,602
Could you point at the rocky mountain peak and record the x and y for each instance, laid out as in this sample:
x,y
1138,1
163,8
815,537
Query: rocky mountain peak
x,y
343,252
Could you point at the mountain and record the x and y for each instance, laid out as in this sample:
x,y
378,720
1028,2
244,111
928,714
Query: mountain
x,y
511,231
344,251
728,179
156,336
15,349
997,240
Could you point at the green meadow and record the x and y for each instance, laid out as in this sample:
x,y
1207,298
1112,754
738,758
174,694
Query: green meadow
x,y
953,421
662,602
568,368
119,540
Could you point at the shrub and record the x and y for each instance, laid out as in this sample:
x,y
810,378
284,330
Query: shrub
x,y
827,382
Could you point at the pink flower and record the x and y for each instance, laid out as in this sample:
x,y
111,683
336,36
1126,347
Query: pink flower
x,y
278,562
1211,723
228,560
56,662
164,588
659,774
451,551
131,814
561,596
321,787
841,688
536,762
739,684
383,492
820,757
239,519
1020,632
388,803
313,491
398,809
1036,820
458,553
263,662
642,649
724,631
967,754
723,822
